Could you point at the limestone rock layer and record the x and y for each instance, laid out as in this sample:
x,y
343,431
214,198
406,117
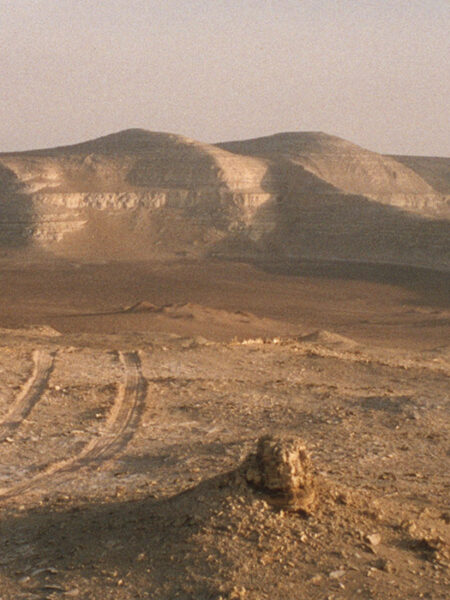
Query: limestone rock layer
x,y
140,194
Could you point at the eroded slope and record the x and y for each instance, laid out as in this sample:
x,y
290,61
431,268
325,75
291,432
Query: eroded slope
x,y
144,194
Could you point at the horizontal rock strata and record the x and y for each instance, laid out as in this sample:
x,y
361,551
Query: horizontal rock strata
x,y
138,193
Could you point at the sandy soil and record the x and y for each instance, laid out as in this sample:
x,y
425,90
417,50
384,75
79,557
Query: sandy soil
x,y
131,394
384,304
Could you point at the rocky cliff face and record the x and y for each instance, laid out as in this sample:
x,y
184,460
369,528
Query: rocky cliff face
x,y
140,194
346,168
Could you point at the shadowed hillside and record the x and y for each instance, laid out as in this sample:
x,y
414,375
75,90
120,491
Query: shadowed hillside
x,y
16,219
140,194
433,169
347,167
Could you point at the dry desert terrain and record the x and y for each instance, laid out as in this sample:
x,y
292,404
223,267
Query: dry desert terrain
x,y
164,304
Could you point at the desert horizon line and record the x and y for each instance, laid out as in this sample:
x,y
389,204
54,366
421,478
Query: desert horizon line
x,y
188,139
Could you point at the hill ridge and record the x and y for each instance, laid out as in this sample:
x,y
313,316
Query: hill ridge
x,y
294,194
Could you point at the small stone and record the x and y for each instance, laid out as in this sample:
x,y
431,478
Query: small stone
x,y
41,570
410,526
238,593
342,498
374,539
337,574
386,565
52,588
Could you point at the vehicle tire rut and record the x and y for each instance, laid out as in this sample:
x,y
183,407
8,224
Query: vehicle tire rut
x,y
120,427
30,394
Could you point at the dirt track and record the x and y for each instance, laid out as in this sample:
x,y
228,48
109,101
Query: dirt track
x,y
119,428
382,304
30,394
122,479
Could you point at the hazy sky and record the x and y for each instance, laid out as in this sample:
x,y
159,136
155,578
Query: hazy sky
x,y
375,72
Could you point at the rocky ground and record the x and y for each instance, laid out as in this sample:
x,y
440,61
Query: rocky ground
x,y
122,471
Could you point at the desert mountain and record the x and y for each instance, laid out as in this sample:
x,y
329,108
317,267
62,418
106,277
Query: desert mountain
x,y
141,194
433,169
345,166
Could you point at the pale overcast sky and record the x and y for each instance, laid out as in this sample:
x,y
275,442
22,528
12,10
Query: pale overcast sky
x,y
375,72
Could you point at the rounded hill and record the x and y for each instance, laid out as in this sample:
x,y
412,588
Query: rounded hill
x,y
143,194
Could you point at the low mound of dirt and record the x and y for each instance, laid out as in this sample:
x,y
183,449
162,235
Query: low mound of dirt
x,y
182,319
328,338
198,312
142,306
32,331
206,313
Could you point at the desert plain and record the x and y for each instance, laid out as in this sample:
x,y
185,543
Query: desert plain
x,y
163,305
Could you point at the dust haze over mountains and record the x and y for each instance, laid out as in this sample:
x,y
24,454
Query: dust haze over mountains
x,y
172,309
372,72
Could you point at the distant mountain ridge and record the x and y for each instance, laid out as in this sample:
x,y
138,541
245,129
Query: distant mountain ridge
x,y
144,194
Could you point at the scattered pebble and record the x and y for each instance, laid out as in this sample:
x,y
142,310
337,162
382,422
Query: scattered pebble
x,y
374,539
337,574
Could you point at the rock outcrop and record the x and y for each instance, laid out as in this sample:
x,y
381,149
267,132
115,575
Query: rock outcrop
x,y
281,468
139,194
340,201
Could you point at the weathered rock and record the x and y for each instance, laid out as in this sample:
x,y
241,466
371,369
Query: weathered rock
x,y
282,468
144,194
373,539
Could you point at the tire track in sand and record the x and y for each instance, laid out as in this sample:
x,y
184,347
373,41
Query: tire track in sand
x,y
30,394
119,428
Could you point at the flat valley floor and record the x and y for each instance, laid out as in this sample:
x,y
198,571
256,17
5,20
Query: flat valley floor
x,y
131,394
